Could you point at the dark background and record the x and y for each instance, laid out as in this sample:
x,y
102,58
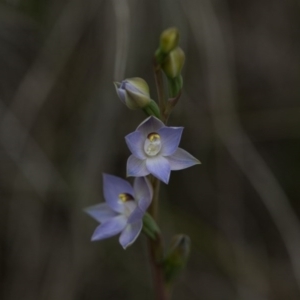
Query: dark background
x,y
62,126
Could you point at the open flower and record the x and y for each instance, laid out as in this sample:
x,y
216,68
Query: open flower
x,y
154,149
124,209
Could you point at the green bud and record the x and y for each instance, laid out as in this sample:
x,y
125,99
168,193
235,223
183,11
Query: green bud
x,y
175,86
150,228
152,109
169,40
173,63
177,256
133,92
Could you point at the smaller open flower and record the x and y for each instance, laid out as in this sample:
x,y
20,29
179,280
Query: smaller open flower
x,y
154,149
124,209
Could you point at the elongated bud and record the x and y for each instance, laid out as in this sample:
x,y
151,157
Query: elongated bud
x,y
133,92
173,63
152,109
150,228
169,40
177,256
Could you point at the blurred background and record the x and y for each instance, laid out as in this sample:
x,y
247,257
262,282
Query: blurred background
x,y
62,126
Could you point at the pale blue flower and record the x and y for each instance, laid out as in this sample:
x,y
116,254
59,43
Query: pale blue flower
x,y
124,209
154,149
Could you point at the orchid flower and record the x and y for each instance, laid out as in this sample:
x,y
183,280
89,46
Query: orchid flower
x,y
155,151
124,209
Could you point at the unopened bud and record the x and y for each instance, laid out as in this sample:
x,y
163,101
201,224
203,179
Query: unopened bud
x,y
152,109
177,256
133,92
169,40
150,228
173,63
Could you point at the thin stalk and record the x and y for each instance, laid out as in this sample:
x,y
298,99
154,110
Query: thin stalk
x,y
156,248
153,209
160,88
162,291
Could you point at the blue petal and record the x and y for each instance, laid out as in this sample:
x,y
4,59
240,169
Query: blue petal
x,y
100,212
137,85
114,186
130,206
123,84
130,87
135,142
136,215
182,160
151,124
136,167
159,167
121,93
110,228
170,138
130,234
143,192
